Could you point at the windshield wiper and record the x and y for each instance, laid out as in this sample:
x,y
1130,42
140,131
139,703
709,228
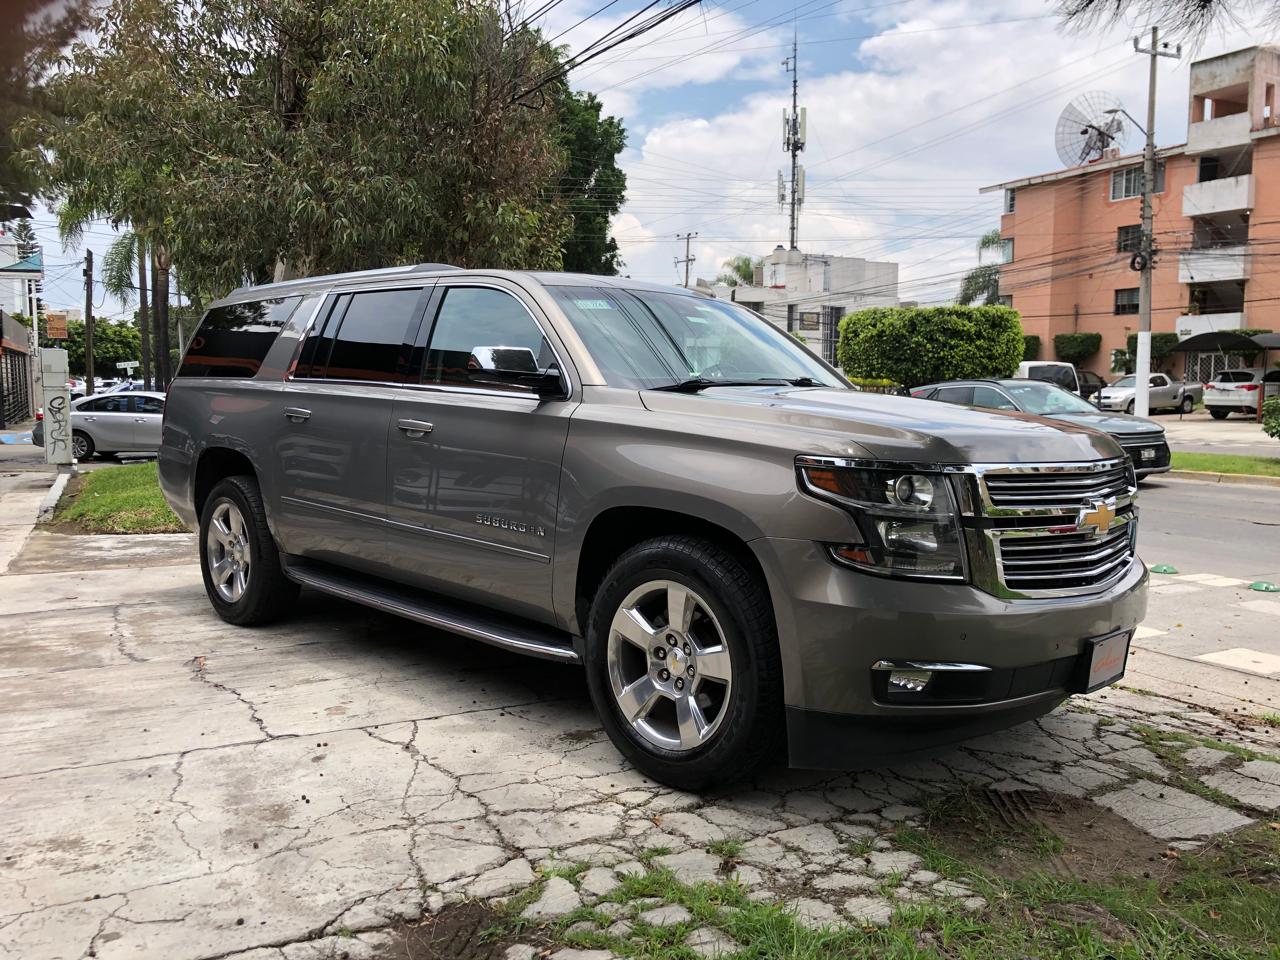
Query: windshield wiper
x,y
694,384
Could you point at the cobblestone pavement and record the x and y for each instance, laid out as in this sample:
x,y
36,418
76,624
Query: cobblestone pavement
x,y
176,788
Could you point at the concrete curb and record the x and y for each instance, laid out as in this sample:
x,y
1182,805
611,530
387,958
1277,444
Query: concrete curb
x,y
1206,477
51,498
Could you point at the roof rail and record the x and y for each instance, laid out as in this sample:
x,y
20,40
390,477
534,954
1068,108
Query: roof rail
x,y
436,266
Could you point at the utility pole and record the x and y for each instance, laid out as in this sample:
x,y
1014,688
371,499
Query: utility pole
x,y
793,138
689,258
1146,261
88,322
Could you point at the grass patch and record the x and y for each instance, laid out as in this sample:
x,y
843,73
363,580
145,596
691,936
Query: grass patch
x,y
1169,745
725,849
124,499
1227,463
1271,719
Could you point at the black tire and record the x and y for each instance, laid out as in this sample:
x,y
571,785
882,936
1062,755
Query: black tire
x,y
1128,408
1188,404
88,444
1218,413
268,593
753,725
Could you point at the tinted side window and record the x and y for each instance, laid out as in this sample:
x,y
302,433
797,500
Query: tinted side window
x,y
479,329
990,397
372,335
962,395
112,404
1063,376
233,340
315,352
149,405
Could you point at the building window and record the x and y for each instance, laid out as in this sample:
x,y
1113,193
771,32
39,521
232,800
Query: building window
x,y
1010,199
1005,300
1127,300
1127,183
1129,239
1006,251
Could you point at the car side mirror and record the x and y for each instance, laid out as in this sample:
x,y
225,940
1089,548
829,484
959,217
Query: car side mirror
x,y
517,366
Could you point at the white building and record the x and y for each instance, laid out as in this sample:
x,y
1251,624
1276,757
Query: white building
x,y
818,289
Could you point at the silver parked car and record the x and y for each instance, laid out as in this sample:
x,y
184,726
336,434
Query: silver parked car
x,y
745,555
109,423
1163,393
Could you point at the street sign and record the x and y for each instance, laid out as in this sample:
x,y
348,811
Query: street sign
x,y
55,325
127,365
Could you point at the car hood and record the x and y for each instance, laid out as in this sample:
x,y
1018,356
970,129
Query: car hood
x,y
1116,391
1113,423
821,420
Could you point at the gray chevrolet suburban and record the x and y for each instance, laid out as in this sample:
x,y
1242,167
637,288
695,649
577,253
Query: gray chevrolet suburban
x,y
745,553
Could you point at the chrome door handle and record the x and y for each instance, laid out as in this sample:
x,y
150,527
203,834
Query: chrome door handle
x,y
297,414
415,428
139,420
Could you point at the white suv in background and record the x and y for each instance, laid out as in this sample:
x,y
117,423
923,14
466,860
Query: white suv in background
x,y
1237,391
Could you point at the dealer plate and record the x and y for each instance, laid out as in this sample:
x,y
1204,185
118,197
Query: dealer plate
x,y
1149,453
1107,658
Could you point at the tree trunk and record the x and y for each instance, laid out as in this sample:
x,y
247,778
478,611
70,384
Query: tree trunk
x,y
160,308
144,314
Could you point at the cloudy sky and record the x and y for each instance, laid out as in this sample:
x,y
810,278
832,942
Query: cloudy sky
x,y
912,106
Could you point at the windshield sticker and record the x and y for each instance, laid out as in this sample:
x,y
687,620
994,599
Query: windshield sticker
x,y
592,304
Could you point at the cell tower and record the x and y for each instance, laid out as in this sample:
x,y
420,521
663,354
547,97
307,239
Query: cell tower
x,y
794,124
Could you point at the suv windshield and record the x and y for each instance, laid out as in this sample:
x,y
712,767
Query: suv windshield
x,y
643,339
1045,398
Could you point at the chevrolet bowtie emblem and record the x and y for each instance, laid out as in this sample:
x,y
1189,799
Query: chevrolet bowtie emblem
x,y
1099,516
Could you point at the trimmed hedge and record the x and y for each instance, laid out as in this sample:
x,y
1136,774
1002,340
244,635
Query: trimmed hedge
x,y
915,345
1076,347
1030,347
1271,417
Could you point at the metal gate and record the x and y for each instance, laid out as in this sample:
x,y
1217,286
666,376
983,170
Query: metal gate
x,y
829,332
15,398
1205,366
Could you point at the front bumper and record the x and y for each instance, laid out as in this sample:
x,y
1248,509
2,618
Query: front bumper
x,y
1114,404
834,623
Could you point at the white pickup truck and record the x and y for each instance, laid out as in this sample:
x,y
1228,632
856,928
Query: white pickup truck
x,y
1163,394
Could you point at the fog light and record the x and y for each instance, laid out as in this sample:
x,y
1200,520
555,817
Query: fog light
x,y
909,681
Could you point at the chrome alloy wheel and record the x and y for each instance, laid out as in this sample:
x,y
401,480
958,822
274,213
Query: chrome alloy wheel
x,y
669,665
228,551
79,446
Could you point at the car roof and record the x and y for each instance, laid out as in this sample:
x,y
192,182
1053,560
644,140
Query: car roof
x,y
120,393
983,381
426,271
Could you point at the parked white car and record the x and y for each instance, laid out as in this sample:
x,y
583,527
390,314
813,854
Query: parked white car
x,y
1237,391
110,423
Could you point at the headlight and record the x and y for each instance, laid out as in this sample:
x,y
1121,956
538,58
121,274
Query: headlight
x,y
906,516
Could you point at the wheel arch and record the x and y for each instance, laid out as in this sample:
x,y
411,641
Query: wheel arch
x,y
215,464
616,529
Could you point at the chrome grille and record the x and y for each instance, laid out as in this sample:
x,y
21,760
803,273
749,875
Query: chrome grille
x,y
1038,540
1039,559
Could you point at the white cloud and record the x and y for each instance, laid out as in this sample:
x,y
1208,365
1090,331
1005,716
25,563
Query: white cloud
x,y
900,139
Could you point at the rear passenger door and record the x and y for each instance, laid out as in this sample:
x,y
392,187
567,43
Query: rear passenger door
x,y
474,463
148,416
962,395
334,412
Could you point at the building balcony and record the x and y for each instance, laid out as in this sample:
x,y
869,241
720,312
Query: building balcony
x,y
1210,136
1213,264
1227,195
1194,324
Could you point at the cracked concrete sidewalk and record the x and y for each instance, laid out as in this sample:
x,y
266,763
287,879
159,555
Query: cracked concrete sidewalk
x,y
175,787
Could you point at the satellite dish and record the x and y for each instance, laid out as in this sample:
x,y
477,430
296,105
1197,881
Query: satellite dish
x,y
1090,127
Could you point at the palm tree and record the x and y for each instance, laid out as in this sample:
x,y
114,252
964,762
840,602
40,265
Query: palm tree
x,y
983,281
118,278
738,270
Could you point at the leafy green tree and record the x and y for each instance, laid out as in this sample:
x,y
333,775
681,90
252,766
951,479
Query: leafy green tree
x,y
1076,347
738,271
113,342
593,186
982,283
32,29
252,139
1186,17
915,345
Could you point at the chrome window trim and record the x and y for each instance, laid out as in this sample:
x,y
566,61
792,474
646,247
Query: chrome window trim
x,y
932,665
406,284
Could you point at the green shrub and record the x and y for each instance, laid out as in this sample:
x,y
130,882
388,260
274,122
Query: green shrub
x,y
1271,418
1030,347
1076,347
1162,345
915,345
